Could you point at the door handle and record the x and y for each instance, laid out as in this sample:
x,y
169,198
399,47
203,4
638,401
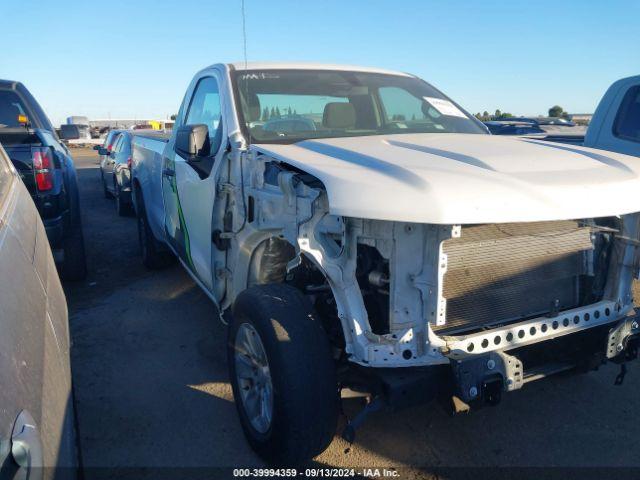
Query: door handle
x,y
167,172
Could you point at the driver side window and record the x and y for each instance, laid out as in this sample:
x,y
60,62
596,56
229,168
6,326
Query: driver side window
x,y
205,109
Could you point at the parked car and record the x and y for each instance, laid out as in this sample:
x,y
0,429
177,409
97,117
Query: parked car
x,y
398,250
37,416
557,121
108,143
508,127
115,172
615,125
289,124
47,169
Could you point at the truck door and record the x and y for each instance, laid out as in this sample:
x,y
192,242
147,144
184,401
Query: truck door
x,y
189,189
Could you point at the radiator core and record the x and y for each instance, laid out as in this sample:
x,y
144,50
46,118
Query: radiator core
x,y
498,273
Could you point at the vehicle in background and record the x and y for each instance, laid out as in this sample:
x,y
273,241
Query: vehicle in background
x,y
293,124
107,145
37,414
115,172
82,126
558,121
47,169
77,120
615,125
75,133
509,127
394,248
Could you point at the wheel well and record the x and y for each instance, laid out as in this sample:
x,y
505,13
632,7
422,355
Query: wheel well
x,y
269,261
136,198
269,265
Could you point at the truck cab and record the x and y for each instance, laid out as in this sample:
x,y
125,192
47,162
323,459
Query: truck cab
x,y
615,125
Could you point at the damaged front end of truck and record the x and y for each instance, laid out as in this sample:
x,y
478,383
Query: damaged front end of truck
x,y
419,311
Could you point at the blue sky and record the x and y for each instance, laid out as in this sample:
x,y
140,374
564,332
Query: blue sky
x,y
135,58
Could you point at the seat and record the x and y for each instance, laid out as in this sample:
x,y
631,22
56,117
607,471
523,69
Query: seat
x,y
339,115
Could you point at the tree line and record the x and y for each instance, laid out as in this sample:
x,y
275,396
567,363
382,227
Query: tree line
x,y
555,111
275,113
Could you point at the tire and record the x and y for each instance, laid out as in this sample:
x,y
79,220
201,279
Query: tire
x,y
122,209
302,374
152,257
74,264
106,192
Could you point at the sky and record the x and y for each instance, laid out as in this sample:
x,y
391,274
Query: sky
x,y
134,59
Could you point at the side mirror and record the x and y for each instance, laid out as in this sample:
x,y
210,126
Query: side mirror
x,y
192,142
103,151
69,132
97,147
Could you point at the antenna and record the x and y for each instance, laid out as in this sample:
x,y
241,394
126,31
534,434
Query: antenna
x,y
246,77
244,33
246,93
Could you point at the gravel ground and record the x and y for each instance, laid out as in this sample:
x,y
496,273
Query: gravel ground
x,y
152,390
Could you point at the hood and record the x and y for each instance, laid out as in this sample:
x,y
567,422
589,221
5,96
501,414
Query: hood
x,y
463,178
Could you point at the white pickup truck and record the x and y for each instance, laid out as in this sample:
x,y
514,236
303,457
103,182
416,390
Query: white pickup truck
x,y
362,234
615,125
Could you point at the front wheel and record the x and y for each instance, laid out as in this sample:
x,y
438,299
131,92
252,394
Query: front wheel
x,y
283,374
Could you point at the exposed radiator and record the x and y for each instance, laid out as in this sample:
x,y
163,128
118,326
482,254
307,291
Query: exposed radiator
x,y
498,273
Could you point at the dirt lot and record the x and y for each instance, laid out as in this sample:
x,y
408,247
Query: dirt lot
x,y
151,383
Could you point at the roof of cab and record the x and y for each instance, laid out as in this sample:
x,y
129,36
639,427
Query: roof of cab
x,y
310,66
4,84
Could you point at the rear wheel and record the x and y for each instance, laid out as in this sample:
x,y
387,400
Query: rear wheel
x,y
106,192
152,256
282,373
123,209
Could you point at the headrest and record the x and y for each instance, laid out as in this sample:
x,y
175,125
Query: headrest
x,y
253,107
9,115
339,115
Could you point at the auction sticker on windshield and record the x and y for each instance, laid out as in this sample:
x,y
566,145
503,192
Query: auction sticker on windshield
x,y
445,107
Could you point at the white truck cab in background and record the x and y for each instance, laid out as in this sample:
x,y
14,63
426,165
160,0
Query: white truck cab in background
x,y
616,122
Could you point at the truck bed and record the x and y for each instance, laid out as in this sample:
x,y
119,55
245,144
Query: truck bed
x,y
17,142
146,174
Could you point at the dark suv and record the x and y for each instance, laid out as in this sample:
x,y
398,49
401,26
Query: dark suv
x,y
46,167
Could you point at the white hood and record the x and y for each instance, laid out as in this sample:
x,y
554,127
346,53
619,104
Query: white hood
x,y
462,178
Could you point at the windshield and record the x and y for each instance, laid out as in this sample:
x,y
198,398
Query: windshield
x,y
284,106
